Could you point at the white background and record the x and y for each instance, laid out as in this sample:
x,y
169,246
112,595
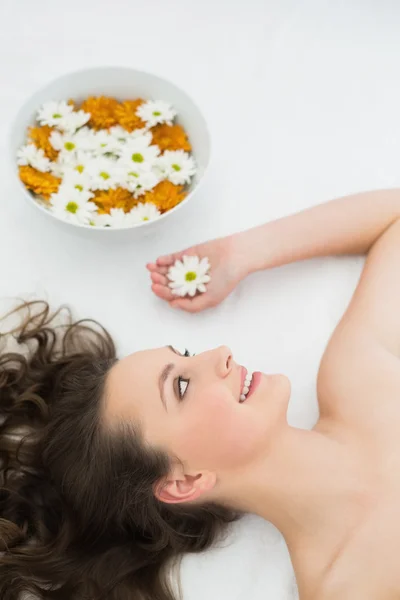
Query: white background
x,y
302,98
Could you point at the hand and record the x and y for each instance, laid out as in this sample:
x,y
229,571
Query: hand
x,y
226,270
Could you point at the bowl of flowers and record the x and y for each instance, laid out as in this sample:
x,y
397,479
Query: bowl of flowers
x,y
110,148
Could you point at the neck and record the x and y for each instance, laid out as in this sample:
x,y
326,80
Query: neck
x,y
306,486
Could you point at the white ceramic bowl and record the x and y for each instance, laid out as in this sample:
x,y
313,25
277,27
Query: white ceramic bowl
x,y
121,83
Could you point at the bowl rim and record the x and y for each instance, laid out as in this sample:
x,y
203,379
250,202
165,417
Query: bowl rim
x,y
49,82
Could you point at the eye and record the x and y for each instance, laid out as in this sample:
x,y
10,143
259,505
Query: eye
x,y
183,385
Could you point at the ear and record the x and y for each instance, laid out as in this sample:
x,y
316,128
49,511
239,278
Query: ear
x,y
184,488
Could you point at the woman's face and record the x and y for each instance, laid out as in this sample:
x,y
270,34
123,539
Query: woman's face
x,y
189,406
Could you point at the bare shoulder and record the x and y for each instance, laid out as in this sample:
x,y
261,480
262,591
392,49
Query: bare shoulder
x,y
359,375
359,381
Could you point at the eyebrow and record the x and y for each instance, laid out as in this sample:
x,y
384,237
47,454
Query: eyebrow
x,y
163,378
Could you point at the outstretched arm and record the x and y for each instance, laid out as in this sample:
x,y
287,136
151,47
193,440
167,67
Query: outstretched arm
x,y
347,225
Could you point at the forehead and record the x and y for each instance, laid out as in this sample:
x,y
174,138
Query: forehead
x,y
133,385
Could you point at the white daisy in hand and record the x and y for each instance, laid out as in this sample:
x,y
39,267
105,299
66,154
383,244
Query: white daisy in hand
x,y
35,157
52,113
177,166
73,206
189,276
144,212
155,112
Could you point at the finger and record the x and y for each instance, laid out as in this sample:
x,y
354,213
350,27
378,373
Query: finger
x,y
193,305
165,261
162,292
158,278
168,260
156,269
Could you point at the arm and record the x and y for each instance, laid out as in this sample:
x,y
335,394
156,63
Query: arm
x,y
348,225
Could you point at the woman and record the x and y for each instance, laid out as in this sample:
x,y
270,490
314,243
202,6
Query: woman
x,y
126,465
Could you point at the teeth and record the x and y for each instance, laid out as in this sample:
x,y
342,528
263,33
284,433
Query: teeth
x,y
246,387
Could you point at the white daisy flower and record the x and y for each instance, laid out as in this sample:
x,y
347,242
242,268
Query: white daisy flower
x,y
52,113
138,155
79,180
73,206
177,166
155,112
144,212
139,182
35,157
86,139
106,144
116,218
189,276
121,134
73,121
105,173
73,142
70,160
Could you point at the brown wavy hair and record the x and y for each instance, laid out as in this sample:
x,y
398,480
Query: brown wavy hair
x,y
78,516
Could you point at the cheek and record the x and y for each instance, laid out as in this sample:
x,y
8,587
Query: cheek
x,y
217,431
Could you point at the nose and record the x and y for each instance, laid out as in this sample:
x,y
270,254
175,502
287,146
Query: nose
x,y
224,361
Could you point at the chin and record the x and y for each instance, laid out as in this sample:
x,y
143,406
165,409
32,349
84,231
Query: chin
x,y
276,388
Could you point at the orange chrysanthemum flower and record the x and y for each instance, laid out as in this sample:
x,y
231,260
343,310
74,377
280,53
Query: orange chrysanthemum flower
x,y
171,137
102,111
165,195
126,115
118,198
40,137
42,184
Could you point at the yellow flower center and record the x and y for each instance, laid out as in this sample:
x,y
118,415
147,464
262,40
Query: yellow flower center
x,y
156,113
176,167
69,146
133,174
57,116
80,168
72,207
79,187
104,175
136,157
145,219
190,276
